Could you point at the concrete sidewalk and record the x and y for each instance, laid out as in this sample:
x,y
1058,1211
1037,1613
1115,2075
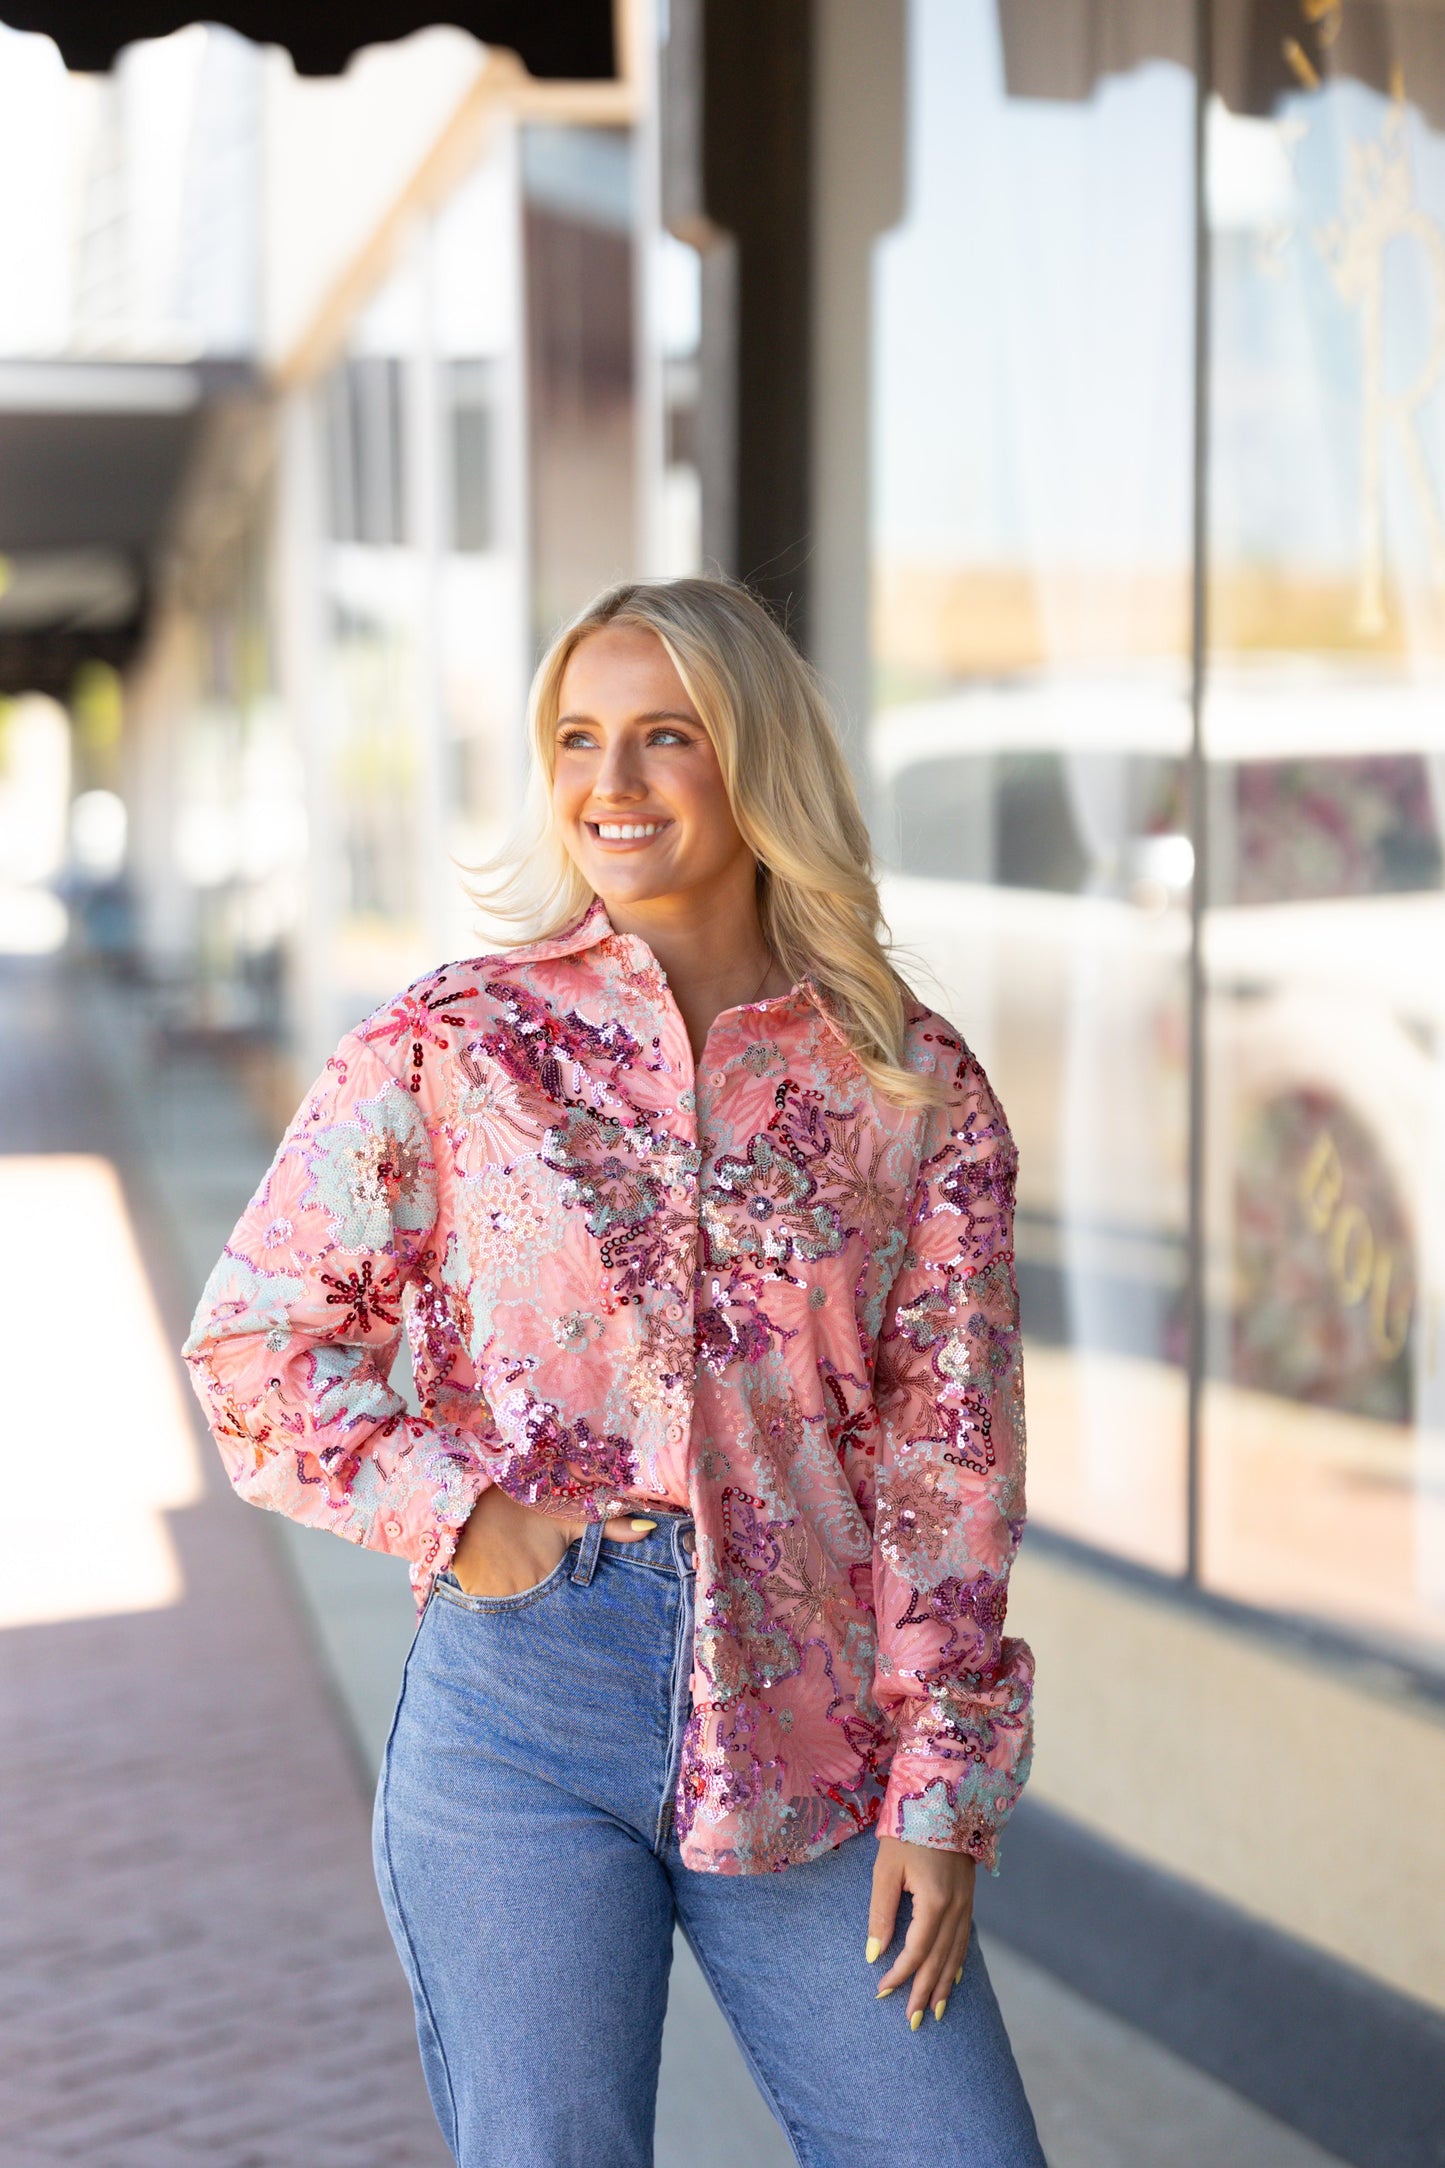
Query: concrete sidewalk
x,y
193,1964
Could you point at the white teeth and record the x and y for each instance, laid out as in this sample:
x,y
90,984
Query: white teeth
x,y
626,831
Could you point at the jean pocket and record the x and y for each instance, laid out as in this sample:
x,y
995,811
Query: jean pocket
x,y
450,1589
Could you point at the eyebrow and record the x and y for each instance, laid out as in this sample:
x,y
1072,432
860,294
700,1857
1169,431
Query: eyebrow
x,y
653,715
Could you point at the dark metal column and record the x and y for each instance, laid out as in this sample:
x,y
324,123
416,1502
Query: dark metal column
x,y
1199,805
737,173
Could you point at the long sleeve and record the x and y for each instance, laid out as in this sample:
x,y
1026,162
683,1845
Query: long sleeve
x,y
948,1385
298,1327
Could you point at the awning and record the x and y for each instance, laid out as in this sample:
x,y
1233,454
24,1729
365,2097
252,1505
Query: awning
x,y
568,39
1262,48
91,457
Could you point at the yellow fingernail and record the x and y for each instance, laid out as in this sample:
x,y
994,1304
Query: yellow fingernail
x,y
884,1991
871,1948
915,2021
643,1528
939,2008
958,1976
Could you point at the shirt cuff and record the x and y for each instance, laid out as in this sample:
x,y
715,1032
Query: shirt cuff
x,y
951,1805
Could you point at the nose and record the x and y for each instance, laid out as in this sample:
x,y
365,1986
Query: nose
x,y
616,778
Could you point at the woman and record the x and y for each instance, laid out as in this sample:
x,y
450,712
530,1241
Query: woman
x,y
701,1230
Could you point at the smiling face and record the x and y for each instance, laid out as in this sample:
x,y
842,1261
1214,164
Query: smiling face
x,y
638,796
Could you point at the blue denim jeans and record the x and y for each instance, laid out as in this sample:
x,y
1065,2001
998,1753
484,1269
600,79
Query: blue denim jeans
x,y
531,1878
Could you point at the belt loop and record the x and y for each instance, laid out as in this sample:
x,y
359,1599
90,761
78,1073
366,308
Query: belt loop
x,y
586,1564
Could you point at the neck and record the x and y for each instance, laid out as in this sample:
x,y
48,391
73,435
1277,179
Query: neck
x,y
711,949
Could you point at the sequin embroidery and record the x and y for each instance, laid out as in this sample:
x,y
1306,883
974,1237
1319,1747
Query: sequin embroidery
x,y
752,1288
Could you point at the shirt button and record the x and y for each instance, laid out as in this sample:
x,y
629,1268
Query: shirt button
x,y
719,1076
393,1528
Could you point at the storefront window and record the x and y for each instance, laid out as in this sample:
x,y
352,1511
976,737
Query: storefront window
x,y
373,599
1044,689
364,410
482,638
1323,1485
470,394
579,227
1032,504
676,331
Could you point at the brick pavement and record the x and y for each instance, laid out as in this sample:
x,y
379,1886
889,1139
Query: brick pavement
x,y
193,1962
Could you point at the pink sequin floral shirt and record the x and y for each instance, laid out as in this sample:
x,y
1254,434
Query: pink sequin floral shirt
x,y
750,1288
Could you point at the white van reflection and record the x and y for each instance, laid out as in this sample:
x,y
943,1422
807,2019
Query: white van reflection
x,y
1038,840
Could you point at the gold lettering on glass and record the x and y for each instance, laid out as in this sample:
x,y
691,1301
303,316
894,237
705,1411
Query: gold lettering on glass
x,y
1388,1333
1359,1263
1322,1183
1326,15
1301,63
1379,207
1352,1255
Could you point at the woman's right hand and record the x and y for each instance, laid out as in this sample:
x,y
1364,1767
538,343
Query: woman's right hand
x,y
506,1547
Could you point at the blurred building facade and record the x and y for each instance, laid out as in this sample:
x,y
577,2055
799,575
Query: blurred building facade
x,y
455,430
1071,376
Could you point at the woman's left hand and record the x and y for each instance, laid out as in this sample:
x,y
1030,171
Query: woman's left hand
x,y
941,1887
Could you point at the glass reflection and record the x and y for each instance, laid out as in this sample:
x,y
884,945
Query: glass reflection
x,y
1325,938
1032,503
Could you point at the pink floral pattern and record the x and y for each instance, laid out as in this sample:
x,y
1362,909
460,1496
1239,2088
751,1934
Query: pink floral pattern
x,y
750,1288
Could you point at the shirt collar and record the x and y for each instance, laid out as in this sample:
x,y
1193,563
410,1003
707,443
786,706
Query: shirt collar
x,y
582,933
593,927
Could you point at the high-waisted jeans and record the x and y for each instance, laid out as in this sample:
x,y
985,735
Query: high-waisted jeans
x,y
531,1877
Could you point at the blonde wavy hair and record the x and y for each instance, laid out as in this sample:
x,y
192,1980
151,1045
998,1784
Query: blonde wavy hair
x,y
792,797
